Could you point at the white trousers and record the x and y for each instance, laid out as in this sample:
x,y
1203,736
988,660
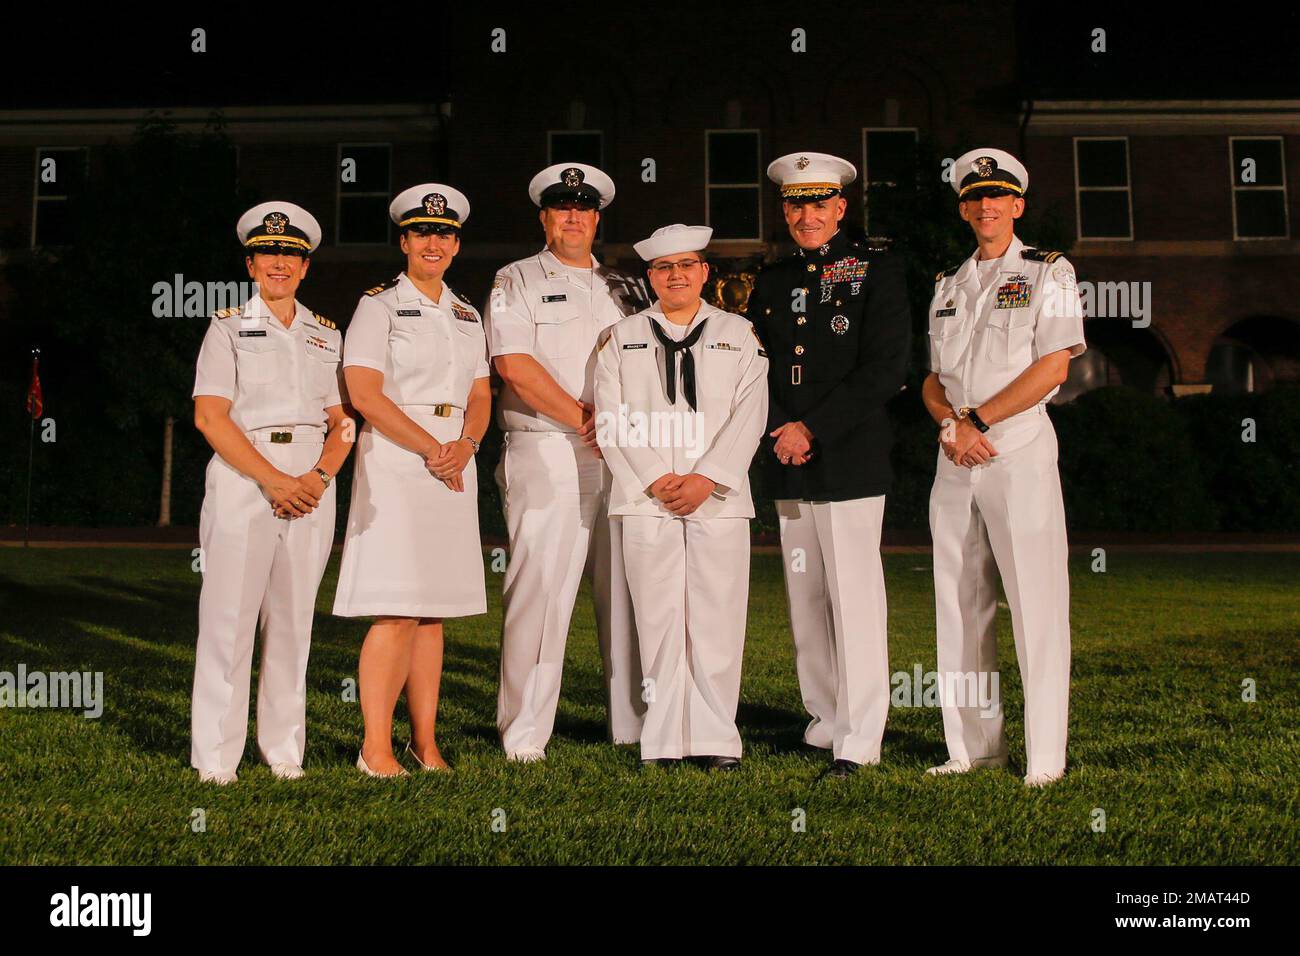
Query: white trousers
x,y
835,583
1008,517
690,589
556,493
257,568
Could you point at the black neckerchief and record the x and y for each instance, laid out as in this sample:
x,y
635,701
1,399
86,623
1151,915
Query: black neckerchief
x,y
671,349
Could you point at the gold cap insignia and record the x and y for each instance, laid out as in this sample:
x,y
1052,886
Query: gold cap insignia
x,y
801,162
275,223
572,177
435,204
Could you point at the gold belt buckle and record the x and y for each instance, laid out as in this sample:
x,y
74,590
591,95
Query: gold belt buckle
x,y
443,410
796,374
281,438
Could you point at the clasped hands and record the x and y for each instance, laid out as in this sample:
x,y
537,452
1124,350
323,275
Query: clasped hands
x,y
294,497
446,461
682,494
964,444
793,443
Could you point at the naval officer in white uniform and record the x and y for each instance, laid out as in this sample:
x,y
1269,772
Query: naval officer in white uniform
x,y
1004,325
268,398
544,317
681,404
415,361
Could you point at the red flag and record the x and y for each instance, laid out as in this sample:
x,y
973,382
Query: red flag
x,y
34,403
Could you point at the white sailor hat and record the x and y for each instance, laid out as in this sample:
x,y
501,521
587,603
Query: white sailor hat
x,y
670,240
991,171
571,182
278,227
429,207
809,177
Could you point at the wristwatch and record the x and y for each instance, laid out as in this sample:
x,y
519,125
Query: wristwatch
x,y
976,420
472,442
324,476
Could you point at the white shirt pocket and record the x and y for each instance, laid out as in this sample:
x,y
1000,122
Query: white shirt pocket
x,y
257,360
1009,336
560,333
413,342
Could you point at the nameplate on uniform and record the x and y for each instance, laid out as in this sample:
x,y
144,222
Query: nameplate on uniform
x,y
723,346
464,314
244,333
944,313
635,345
405,312
1014,294
562,297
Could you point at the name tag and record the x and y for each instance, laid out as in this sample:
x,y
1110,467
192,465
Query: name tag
x,y
555,298
244,334
635,345
944,313
411,312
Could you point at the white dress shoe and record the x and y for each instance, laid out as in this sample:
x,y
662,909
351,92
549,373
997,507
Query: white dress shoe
x,y
365,768
965,766
1043,779
287,771
527,755
425,766
219,777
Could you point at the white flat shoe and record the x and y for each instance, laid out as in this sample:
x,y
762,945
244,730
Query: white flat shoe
x,y
1043,779
965,766
219,777
287,771
424,766
365,768
526,755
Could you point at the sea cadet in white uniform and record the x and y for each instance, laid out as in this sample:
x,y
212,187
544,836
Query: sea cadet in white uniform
x,y
1003,327
544,317
267,397
416,367
681,403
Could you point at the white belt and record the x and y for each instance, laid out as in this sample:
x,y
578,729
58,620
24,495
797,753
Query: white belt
x,y
287,434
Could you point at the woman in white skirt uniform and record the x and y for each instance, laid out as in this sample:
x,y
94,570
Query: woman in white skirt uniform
x,y
267,399
415,363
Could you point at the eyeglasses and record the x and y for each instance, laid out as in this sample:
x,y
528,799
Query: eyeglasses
x,y
666,268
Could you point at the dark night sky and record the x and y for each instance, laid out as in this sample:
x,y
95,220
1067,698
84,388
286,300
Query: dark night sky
x,y
1155,50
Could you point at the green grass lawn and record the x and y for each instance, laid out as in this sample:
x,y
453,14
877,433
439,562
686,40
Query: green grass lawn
x,y
1160,739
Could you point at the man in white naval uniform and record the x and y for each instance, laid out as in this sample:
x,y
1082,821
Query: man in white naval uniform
x,y
543,319
268,399
681,404
1003,327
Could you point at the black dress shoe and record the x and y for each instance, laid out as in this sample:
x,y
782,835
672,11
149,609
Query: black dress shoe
x,y
842,768
722,763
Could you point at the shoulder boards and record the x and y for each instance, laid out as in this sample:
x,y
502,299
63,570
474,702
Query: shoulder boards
x,y
381,287
947,273
324,321
1039,255
227,313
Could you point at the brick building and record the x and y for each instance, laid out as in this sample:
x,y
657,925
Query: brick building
x,y
1167,228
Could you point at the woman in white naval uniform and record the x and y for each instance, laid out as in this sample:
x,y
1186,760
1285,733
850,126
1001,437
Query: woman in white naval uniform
x,y
415,361
681,404
267,398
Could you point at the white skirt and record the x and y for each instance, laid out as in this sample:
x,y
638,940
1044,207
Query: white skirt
x,y
412,546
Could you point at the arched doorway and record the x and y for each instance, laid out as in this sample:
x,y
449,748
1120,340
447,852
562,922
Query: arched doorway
x,y
1118,354
1253,355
